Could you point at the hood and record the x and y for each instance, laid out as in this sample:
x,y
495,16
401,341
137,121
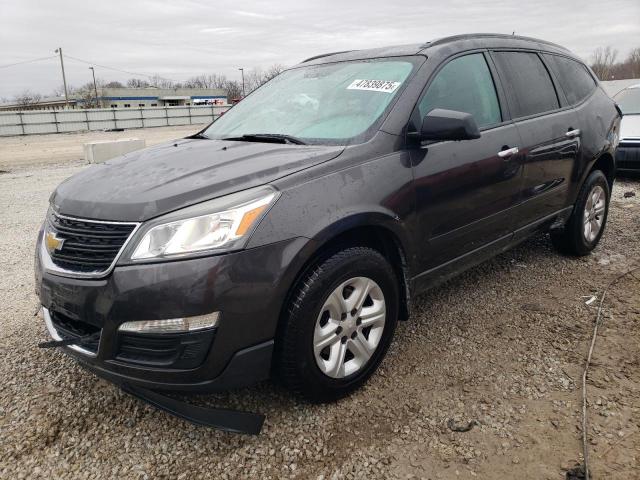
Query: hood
x,y
150,182
630,127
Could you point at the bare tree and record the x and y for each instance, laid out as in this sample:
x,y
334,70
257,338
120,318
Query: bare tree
x,y
234,89
253,79
200,81
273,71
633,62
161,82
137,83
603,60
206,81
59,90
27,98
217,81
256,77
113,84
85,94
606,68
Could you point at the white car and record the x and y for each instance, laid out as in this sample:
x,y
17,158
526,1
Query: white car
x,y
628,152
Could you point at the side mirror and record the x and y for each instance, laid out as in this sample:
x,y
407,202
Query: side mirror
x,y
441,124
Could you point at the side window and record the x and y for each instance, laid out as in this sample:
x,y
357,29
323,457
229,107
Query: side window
x,y
527,82
464,84
576,81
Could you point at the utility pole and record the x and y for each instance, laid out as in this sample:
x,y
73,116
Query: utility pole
x,y
242,70
95,88
64,79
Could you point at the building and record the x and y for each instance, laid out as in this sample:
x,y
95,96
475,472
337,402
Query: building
x,y
160,97
129,98
44,103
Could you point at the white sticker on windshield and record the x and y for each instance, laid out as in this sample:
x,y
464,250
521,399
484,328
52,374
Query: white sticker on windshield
x,y
374,85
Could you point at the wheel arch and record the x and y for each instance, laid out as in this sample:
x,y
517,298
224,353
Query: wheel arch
x,y
375,230
606,164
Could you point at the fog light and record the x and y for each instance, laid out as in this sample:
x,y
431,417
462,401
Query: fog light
x,y
172,325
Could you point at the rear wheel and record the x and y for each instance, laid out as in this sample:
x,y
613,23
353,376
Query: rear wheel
x,y
339,325
587,222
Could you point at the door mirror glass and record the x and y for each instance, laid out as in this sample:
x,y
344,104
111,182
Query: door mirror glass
x,y
441,124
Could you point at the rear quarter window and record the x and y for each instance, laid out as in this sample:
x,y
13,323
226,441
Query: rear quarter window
x,y
574,78
527,82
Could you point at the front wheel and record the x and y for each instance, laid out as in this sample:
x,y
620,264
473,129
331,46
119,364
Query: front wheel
x,y
586,224
339,325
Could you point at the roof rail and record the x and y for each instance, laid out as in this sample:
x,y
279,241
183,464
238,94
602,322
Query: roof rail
x,y
326,55
469,36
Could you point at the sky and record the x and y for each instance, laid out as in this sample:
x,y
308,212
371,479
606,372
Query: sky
x,y
180,39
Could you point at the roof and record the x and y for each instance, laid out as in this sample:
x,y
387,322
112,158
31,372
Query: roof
x,y
474,36
471,40
41,101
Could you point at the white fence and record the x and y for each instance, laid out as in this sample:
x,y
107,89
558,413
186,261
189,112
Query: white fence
x,y
60,121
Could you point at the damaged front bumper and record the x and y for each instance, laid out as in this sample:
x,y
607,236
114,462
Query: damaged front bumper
x,y
247,288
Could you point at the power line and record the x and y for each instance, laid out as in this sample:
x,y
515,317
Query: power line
x,y
118,69
139,74
27,61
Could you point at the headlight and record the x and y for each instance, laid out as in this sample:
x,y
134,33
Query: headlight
x,y
221,224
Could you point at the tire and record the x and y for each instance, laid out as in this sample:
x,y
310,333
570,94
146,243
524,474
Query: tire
x,y
315,313
576,238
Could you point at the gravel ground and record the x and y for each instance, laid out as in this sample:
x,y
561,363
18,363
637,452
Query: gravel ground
x,y
31,150
502,345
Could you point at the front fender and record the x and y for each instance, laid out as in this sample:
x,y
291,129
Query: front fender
x,y
376,193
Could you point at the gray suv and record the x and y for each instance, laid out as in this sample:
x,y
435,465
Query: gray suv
x,y
288,237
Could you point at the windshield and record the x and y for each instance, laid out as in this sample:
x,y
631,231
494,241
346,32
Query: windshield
x,y
629,101
335,103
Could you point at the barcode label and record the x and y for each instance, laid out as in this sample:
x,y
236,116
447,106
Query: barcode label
x,y
374,85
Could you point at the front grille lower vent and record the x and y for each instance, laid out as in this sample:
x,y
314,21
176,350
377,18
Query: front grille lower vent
x,y
88,246
166,350
70,329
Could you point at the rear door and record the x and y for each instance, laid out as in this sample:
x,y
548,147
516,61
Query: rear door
x,y
549,132
588,102
465,190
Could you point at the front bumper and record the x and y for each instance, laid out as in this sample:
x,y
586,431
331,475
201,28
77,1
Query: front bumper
x,y
628,157
247,287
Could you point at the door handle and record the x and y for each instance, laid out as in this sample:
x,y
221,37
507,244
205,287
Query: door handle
x,y
573,133
508,152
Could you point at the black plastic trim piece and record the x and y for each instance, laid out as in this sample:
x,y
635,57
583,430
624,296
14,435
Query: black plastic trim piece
x,y
322,55
223,419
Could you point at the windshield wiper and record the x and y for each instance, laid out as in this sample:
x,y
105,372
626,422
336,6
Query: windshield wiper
x,y
268,138
199,135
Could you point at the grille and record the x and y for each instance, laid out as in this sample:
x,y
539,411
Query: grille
x,y
69,328
88,246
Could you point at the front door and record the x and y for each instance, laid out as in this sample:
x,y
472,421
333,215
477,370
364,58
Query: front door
x,y
465,190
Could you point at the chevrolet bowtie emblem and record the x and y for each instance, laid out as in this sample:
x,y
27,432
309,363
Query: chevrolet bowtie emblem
x,y
52,242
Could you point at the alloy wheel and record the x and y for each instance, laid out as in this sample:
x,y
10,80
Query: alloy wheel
x,y
349,327
593,216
